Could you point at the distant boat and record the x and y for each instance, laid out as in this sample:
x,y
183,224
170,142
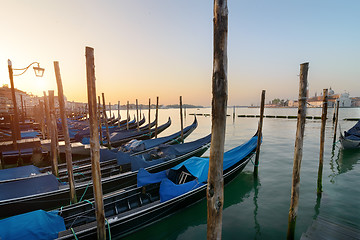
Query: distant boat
x,y
351,138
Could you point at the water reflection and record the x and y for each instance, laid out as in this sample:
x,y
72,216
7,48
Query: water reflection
x,y
343,162
255,198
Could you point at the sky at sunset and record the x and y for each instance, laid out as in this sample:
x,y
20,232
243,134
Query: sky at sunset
x,y
145,49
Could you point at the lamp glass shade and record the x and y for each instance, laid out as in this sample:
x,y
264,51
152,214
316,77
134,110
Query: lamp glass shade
x,y
39,72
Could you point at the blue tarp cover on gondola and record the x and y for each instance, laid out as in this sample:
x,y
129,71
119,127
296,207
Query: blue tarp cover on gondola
x,y
176,190
34,225
28,186
144,177
29,134
18,172
355,130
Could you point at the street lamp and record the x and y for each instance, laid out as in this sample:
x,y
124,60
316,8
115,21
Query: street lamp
x,y
39,72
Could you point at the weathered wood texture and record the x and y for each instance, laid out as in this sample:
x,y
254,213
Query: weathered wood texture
x,y
137,116
322,140
64,124
181,121
52,123
94,144
106,122
47,114
149,116
100,120
119,117
16,128
156,116
295,187
127,115
215,186
262,105
336,119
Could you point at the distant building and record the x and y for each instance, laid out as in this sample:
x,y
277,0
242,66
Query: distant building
x,y
316,101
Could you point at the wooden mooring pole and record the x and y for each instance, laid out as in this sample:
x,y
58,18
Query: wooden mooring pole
x,y
322,140
181,121
259,132
215,186
47,115
94,144
234,113
336,120
22,109
127,116
149,117
16,128
42,122
119,117
137,116
100,121
52,123
106,122
156,116
65,128
295,187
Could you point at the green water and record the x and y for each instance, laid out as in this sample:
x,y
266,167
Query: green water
x,y
259,209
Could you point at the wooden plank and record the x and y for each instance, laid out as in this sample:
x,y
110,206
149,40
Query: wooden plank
x,y
22,144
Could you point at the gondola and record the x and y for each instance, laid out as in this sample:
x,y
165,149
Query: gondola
x,y
118,139
351,138
156,197
134,147
21,195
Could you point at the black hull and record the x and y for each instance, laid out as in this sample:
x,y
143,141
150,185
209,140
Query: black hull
x,y
128,222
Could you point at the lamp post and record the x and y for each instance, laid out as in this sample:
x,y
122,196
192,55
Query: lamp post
x,y
39,72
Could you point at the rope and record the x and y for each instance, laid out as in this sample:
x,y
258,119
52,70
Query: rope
x,y
72,230
85,191
253,162
108,228
88,202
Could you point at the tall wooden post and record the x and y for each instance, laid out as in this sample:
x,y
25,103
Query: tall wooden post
x,y
181,121
234,113
41,114
156,116
106,122
119,117
109,109
149,117
185,111
336,119
52,124
127,116
65,128
137,115
13,96
22,109
295,187
322,140
259,133
95,145
215,186
100,121
47,113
